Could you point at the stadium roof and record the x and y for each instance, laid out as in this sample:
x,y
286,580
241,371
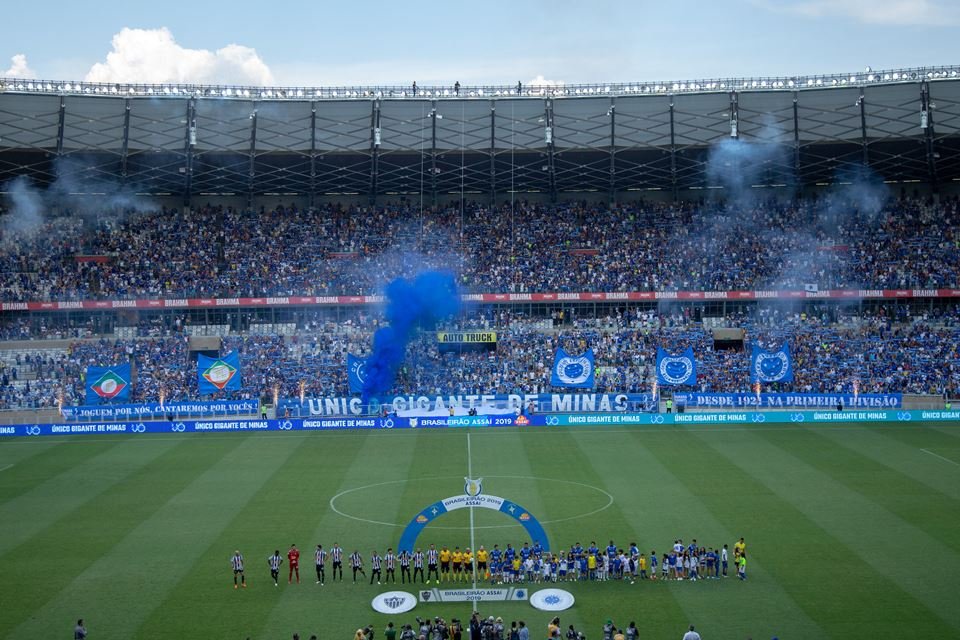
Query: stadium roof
x,y
196,140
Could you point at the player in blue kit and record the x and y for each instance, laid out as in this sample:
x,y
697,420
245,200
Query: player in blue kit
x,y
653,565
525,551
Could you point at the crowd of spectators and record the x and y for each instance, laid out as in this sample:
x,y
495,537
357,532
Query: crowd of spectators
x,y
217,251
911,354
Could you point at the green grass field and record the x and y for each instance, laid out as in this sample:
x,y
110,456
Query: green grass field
x,y
852,531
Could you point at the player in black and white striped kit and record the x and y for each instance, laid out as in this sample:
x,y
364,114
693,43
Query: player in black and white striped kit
x,y
356,563
405,566
275,561
432,556
375,561
417,565
321,561
391,561
237,562
336,554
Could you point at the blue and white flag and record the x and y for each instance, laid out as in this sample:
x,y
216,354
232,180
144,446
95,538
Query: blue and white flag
x,y
771,366
356,373
676,370
218,374
572,371
107,383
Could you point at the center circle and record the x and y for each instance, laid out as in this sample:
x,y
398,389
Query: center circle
x,y
608,502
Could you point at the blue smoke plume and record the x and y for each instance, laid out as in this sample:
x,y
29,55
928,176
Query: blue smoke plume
x,y
412,305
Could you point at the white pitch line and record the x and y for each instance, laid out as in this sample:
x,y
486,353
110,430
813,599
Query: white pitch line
x,y
536,431
473,546
937,455
4,467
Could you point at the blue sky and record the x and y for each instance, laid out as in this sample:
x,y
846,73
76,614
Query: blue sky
x,y
497,41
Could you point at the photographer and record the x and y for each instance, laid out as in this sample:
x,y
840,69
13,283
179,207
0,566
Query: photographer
x,y
408,633
425,628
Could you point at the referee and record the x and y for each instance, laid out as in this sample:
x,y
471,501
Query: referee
x,y
321,561
337,554
375,561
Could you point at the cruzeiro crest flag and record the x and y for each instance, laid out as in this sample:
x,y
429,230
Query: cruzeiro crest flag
x,y
108,383
356,373
679,369
218,374
573,371
771,366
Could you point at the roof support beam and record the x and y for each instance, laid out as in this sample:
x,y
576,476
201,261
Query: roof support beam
x,y
548,139
374,149
862,102
433,153
125,147
189,143
612,195
252,171
312,198
673,154
493,152
926,121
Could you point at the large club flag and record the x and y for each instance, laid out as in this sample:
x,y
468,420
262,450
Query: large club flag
x,y
572,371
356,373
107,383
676,370
771,366
218,374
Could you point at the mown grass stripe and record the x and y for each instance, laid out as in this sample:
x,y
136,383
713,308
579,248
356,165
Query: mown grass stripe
x,y
309,608
904,458
281,511
44,602
164,547
555,454
838,553
680,501
30,512
38,464
913,502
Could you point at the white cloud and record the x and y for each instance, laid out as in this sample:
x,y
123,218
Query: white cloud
x,y
540,81
936,13
19,68
152,56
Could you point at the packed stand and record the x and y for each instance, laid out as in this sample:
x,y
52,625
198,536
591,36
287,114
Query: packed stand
x,y
216,251
830,352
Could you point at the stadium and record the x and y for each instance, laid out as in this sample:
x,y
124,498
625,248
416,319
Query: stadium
x,y
721,309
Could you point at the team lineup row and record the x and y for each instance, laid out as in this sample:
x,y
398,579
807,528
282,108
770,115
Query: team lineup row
x,y
525,564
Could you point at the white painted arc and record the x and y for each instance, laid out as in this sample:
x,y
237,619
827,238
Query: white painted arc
x,y
333,506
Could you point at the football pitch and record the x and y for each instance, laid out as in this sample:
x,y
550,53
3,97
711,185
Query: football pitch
x,y
852,530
